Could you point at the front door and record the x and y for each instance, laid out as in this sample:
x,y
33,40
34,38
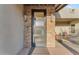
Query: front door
x,y
39,29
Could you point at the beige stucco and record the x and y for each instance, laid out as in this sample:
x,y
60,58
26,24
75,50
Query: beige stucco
x,y
11,29
67,16
68,13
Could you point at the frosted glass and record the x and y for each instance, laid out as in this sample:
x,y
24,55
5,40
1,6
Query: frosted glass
x,y
39,23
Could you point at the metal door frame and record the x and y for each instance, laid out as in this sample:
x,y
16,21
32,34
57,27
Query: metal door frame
x,y
32,22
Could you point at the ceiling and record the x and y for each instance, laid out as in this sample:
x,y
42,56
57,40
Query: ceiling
x,y
57,6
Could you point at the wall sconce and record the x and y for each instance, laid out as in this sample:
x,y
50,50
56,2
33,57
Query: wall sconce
x,y
52,18
72,10
25,18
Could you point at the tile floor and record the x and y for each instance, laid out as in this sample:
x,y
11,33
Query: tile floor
x,y
58,50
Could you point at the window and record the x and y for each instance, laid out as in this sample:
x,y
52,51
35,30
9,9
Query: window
x,y
72,28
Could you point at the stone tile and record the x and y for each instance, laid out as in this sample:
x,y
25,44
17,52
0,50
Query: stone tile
x,y
40,51
24,51
59,50
72,45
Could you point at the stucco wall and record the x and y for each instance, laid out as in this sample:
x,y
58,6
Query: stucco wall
x,y
68,13
61,29
11,29
62,26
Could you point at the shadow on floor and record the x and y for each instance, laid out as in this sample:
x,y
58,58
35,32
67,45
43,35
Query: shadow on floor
x,y
69,48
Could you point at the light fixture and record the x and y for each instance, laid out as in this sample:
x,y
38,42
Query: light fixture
x,y
25,18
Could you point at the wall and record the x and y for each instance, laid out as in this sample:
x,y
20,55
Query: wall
x,y
11,29
61,29
68,13
62,26
50,16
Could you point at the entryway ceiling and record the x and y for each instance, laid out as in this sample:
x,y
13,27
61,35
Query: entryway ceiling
x,y
57,6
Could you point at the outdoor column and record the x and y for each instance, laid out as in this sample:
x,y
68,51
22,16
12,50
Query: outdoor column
x,y
51,31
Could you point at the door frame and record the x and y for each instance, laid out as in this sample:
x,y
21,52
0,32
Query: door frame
x,y
32,22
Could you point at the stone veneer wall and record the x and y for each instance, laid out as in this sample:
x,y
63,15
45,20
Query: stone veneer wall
x,y
50,23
